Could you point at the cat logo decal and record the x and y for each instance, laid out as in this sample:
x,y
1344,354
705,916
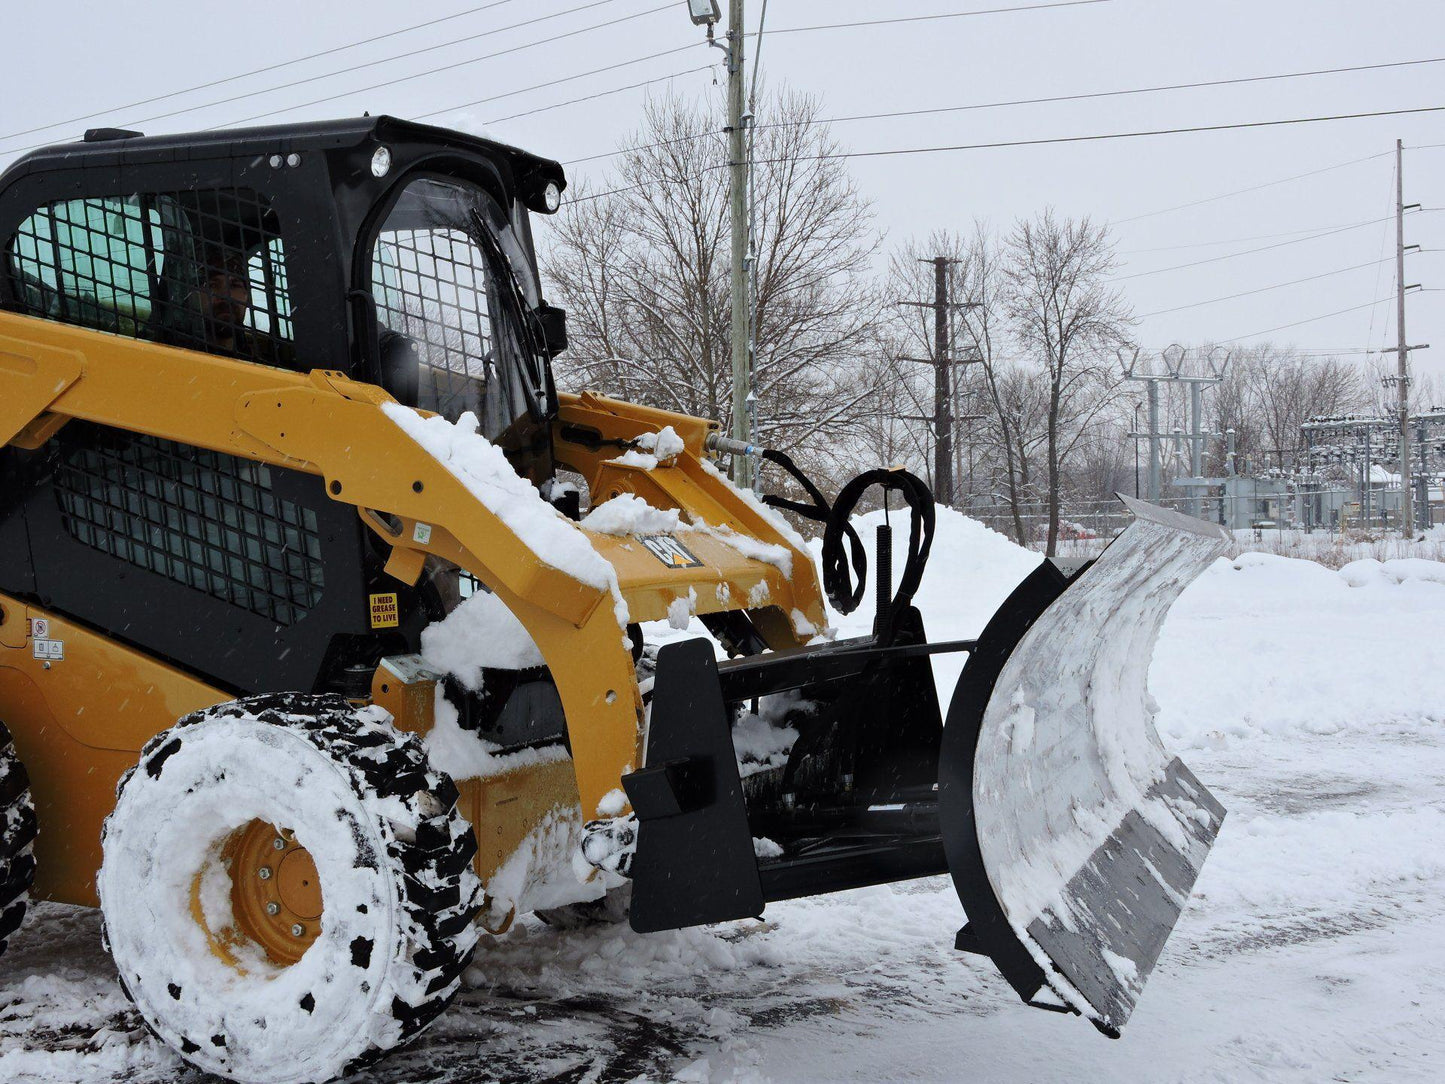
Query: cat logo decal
x,y
669,551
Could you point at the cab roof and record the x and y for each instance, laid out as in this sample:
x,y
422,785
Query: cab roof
x,y
119,147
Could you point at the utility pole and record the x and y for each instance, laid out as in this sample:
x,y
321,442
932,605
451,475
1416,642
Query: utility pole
x,y
942,408
1407,523
1401,379
943,363
738,207
707,13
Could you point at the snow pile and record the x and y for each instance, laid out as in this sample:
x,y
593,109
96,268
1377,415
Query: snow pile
x,y
465,754
480,634
1370,572
764,741
1274,645
480,466
665,443
650,449
629,514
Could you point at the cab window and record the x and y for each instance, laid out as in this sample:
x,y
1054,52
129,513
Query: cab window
x,y
204,270
449,291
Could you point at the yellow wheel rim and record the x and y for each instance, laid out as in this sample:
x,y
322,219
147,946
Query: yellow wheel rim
x,y
276,899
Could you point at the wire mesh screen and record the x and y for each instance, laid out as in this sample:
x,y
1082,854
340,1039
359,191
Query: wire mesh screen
x,y
433,291
445,263
204,519
203,269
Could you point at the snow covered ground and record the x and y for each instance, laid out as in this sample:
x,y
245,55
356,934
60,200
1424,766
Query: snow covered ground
x,y
1311,701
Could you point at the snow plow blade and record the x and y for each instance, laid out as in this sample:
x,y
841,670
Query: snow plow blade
x,y
1072,837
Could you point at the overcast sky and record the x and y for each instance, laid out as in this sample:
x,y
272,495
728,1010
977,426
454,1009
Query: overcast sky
x,y
68,58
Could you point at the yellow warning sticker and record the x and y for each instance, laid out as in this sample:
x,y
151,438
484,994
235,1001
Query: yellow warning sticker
x,y
383,611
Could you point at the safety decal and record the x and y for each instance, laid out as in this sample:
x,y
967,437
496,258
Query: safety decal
x,y
669,551
384,611
47,649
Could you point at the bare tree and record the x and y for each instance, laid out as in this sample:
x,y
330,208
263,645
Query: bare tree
x,y
642,267
1063,310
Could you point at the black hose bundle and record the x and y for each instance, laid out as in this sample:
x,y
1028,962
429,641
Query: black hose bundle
x,y
845,575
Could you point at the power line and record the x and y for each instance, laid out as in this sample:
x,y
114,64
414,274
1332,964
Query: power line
x,y
1252,188
935,18
1196,129
565,79
788,30
1261,290
405,78
1314,230
1057,98
461,63
1117,93
937,149
490,56
1309,320
261,71
1249,251
590,97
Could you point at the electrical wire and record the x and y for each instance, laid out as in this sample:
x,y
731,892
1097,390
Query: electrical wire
x,y
1314,230
459,64
1056,98
1252,188
404,78
1195,129
262,70
1248,251
1262,289
590,97
1053,99
565,79
1308,320
1384,237
1192,130
934,18
457,41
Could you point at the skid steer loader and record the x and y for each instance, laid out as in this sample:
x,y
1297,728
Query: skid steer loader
x,y
311,667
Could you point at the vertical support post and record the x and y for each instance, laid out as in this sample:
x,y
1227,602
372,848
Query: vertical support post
x,y
741,333
1402,354
1367,498
942,415
1229,471
1136,449
1153,386
1196,446
1422,444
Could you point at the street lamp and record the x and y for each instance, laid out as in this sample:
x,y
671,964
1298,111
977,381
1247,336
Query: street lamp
x,y
704,12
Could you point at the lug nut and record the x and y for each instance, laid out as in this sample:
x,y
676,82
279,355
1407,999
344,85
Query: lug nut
x,y
273,908
298,930
278,843
264,873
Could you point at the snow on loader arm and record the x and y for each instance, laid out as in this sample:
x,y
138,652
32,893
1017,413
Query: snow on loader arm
x,y
1073,838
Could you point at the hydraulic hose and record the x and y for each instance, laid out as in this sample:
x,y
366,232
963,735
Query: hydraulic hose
x,y
845,574
837,579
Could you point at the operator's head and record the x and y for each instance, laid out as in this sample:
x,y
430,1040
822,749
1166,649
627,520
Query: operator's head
x,y
225,296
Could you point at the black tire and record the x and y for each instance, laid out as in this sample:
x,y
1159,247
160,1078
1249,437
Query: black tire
x,y
393,860
17,838
609,910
